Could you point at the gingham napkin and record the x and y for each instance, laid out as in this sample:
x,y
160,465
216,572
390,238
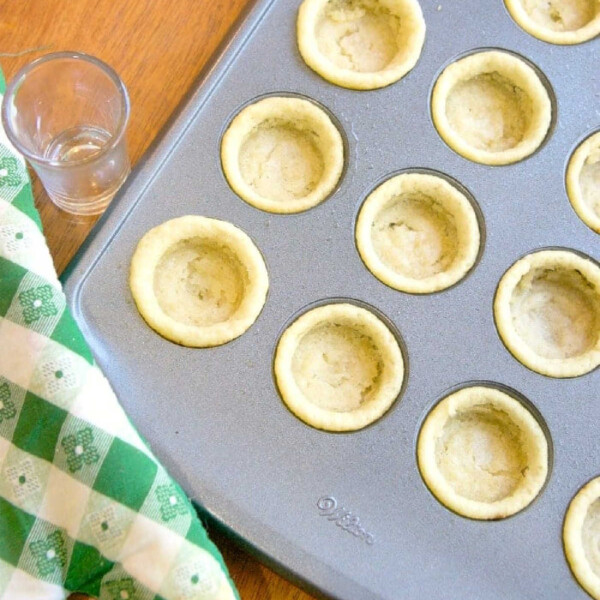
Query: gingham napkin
x,y
84,505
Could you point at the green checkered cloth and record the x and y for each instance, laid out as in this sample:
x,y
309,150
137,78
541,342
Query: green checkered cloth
x,y
84,505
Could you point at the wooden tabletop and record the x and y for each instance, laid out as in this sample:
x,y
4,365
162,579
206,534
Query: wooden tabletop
x,y
158,47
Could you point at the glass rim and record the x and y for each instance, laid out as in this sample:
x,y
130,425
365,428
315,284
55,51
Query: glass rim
x,y
13,86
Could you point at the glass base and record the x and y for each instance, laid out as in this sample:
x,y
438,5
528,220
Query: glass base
x,y
89,206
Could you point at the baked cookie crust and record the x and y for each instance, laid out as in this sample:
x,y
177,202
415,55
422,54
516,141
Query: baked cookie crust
x,y
282,154
197,281
338,367
360,44
418,233
557,21
583,181
581,537
491,107
547,311
482,453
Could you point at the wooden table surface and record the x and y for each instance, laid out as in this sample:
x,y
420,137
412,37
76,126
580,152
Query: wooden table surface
x,y
158,47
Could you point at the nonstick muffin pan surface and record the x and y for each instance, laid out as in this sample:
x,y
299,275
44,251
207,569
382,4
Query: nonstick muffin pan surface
x,y
348,514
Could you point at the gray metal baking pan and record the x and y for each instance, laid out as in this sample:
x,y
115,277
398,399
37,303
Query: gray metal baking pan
x,y
214,416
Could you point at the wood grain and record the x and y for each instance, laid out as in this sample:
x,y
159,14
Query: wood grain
x,y
158,47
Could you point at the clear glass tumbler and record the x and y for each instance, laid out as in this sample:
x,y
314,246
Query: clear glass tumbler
x,y
67,113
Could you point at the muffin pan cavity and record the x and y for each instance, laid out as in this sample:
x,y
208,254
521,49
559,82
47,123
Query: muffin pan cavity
x,y
547,310
557,21
361,44
418,233
282,154
482,453
338,367
491,107
583,181
198,281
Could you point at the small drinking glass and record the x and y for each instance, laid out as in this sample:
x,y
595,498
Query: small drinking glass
x,y
67,113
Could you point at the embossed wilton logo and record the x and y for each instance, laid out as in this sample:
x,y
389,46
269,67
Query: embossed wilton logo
x,y
328,508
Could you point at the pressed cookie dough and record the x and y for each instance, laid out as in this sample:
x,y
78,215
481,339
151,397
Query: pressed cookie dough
x,y
338,367
418,233
482,453
282,154
557,21
583,181
360,44
198,281
547,310
581,536
491,107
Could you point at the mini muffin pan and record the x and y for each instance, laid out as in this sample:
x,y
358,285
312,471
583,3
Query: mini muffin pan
x,y
348,514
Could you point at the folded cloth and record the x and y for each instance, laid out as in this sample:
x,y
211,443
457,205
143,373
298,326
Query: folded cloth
x,y
84,505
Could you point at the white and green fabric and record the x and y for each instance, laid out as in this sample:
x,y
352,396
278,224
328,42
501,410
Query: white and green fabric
x,y
84,505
